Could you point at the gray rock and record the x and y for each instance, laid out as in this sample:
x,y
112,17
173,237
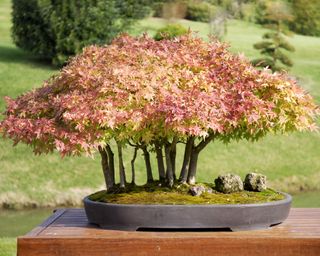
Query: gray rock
x,y
255,182
197,190
209,190
228,183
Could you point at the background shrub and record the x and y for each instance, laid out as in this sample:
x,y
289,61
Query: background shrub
x,y
306,15
31,27
199,11
57,29
261,11
248,12
170,31
158,9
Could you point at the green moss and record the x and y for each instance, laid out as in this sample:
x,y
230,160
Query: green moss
x,y
178,195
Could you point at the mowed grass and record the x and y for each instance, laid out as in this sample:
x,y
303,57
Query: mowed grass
x,y
27,180
8,246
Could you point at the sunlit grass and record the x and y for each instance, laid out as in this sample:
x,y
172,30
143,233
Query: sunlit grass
x,y
308,199
8,246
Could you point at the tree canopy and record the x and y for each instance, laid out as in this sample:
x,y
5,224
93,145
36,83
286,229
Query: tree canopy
x,y
149,93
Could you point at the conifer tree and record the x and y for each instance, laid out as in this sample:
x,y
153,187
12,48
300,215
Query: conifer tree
x,y
274,43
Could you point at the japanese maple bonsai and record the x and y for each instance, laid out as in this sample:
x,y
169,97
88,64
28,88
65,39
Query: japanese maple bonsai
x,y
151,95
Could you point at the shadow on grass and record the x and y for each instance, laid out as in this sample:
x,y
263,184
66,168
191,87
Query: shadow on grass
x,y
10,54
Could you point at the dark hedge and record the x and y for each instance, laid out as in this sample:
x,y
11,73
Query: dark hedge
x,y
58,29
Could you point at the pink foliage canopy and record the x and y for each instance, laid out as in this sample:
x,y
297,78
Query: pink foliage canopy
x,y
146,90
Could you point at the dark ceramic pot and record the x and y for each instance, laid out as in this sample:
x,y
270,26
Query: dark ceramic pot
x,y
236,217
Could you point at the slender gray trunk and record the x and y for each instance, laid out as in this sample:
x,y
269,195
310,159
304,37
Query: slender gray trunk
x,y
122,173
133,173
105,168
148,164
169,174
111,164
173,154
186,159
194,158
193,166
161,170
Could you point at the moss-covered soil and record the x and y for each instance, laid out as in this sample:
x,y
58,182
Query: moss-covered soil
x,y
179,195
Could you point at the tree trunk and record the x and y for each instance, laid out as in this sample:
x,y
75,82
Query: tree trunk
x,y
148,164
105,168
122,173
161,170
111,164
193,166
186,159
194,158
133,173
173,154
169,174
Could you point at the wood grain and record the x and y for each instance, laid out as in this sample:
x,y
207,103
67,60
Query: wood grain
x,y
67,232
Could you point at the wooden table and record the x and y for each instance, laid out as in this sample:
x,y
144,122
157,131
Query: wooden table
x,y
67,232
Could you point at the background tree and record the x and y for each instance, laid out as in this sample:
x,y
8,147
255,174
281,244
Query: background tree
x,y
277,14
306,19
152,95
172,10
218,23
57,29
260,11
31,28
198,10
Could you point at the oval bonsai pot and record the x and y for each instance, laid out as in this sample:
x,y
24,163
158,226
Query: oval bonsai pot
x,y
236,217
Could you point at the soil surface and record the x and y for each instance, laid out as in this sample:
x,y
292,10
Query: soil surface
x,y
180,195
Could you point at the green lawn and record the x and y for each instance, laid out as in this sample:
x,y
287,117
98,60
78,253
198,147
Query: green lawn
x,y
8,246
49,180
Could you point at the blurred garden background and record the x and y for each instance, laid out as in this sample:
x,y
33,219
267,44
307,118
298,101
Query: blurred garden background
x,y
37,38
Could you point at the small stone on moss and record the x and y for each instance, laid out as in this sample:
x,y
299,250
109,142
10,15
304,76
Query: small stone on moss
x,y
197,190
255,182
209,190
228,183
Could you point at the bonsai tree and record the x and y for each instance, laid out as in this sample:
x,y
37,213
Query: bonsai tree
x,y
151,95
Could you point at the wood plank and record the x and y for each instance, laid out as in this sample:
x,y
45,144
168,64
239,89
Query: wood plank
x,y
172,246
67,232
56,214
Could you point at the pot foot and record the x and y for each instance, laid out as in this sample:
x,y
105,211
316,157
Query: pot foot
x,y
250,227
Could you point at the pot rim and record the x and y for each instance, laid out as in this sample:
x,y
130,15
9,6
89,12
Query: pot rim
x,y
287,199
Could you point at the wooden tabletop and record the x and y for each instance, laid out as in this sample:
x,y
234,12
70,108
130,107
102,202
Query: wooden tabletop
x,y
67,232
